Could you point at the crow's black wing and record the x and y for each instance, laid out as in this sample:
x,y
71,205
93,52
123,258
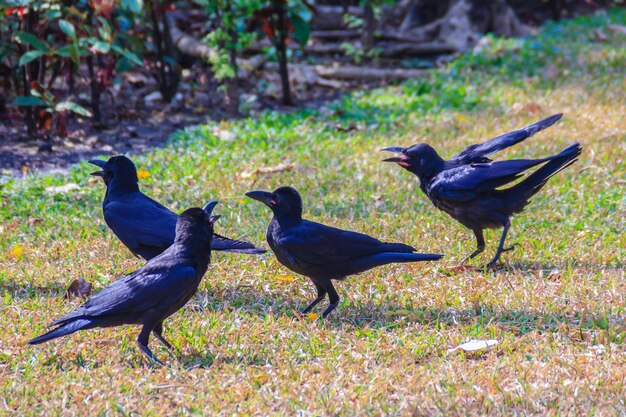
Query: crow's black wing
x,y
221,243
314,243
139,223
464,183
480,152
149,287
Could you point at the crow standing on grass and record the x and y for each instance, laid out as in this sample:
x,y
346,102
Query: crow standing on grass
x,y
323,253
146,227
153,292
467,187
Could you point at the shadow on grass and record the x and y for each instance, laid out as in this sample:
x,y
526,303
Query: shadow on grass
x,y
390,316
20,291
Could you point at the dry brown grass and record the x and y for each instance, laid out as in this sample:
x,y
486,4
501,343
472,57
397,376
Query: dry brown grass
x,y
557,306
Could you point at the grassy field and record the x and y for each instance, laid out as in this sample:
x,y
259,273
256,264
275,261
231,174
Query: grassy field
x,y
557,304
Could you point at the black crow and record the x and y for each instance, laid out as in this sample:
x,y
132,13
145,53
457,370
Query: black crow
x,y
323,253
153,292
146,227
467,187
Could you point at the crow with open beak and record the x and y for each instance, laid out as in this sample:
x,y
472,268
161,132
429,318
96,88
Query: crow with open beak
x,y
468,186
145,226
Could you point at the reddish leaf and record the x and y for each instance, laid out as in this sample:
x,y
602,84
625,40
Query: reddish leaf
x,y
267,28
103,7
44,121
61,125
34,85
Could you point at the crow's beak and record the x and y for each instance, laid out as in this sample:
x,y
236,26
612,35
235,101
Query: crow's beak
x,y
100,163
210,206
396,149
214,218
401,160
397,159
262,196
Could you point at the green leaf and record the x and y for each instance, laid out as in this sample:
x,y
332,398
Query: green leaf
x,y
67,28
30,56
28,101
125,52
105,30
301,29
75,54
134,6
101,46
73,107
64,51
122,65
32,40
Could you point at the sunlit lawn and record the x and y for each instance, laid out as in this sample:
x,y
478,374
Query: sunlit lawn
x,y
556,305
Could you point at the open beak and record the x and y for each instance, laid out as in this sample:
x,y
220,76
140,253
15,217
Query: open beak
x,y
99,163
396,149
210,206
262,196
214,218
401,160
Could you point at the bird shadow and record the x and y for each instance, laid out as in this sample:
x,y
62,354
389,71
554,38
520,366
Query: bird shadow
x,y
21,291
205,360
546,267
371,315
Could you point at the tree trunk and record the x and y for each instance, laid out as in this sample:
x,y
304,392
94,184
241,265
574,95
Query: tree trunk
x,y
168,76
232,84
95,92
462,21
281,52
369,26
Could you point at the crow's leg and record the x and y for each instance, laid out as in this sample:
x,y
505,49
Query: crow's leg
x,y
480,245
501,248
510,248
142,341
321,293
332,296
158,332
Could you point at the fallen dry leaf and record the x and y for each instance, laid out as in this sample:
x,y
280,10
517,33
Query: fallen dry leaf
x,y
474,345
270,170
396,313
223,134
34,221
531,108
284,278
554,275
458,268
617,29
599,36
78,288
62,189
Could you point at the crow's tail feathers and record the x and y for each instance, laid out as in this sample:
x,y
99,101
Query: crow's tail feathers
x,y
224,244
63,330
523,191
401,257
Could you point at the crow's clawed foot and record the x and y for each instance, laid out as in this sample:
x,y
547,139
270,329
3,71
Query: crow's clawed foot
x,y
330,308
491,265
510,248
153,359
